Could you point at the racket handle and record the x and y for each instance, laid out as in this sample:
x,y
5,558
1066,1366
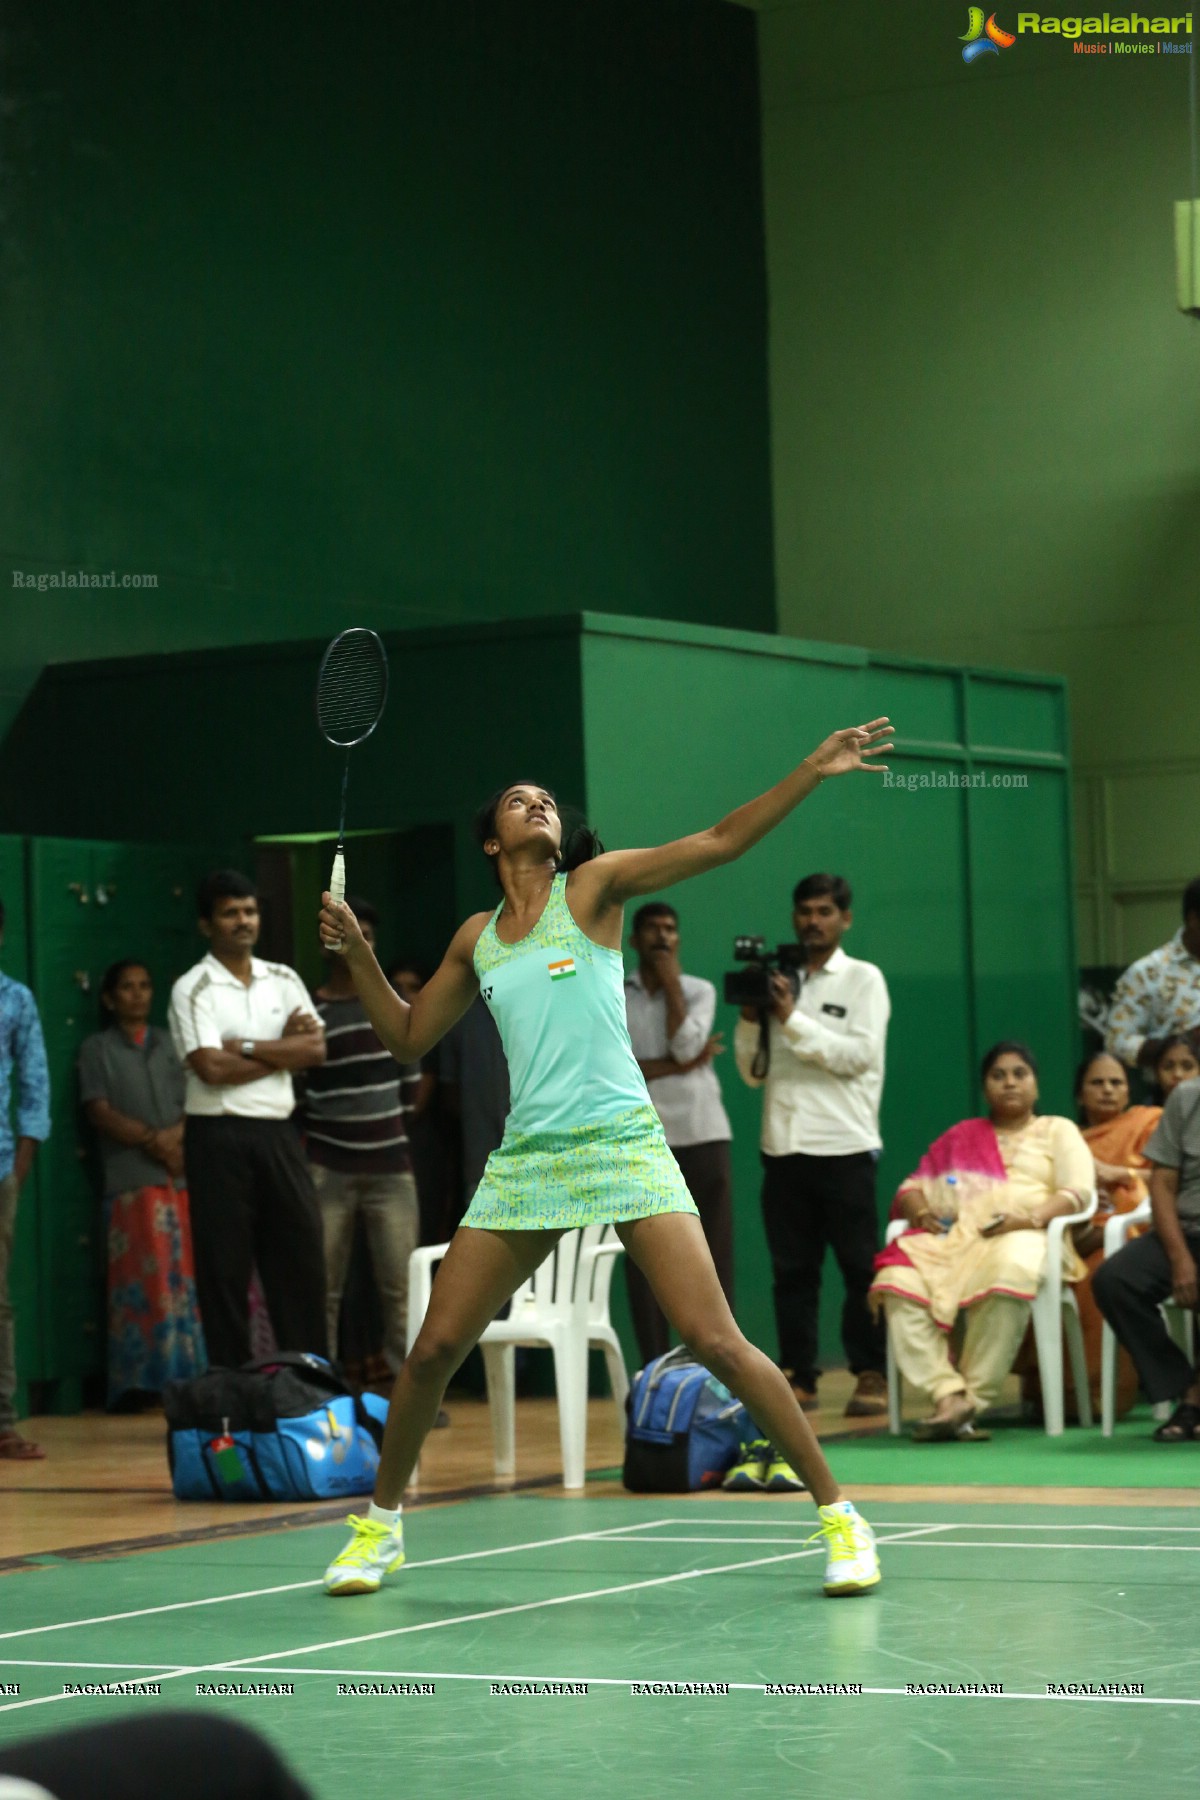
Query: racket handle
x,y
337,884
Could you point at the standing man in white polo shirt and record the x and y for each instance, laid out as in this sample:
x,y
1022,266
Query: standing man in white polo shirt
x,y
242,1026
820,1139
670,1017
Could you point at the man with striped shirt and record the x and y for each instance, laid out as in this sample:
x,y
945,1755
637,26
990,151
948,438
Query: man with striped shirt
x,y
353,1113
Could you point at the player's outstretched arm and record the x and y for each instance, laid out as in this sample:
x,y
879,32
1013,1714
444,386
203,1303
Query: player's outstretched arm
x,y
619,875
407,1031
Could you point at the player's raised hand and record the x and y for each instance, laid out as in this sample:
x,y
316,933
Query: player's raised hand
x,y
852,749
340,931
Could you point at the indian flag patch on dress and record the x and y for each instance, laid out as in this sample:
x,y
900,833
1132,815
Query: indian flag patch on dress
x,y
559,971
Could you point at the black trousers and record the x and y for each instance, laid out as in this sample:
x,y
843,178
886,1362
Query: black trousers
x,y
188,1755
708,1172
252,1201
1129,1288
810,1202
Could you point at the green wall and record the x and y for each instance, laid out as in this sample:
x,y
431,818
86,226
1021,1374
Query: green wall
x,y
986,442
386,311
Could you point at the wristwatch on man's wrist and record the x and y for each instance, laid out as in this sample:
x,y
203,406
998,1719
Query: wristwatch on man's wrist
x,y
248,1047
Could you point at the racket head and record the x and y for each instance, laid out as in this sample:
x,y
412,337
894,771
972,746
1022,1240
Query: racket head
x,y
352,687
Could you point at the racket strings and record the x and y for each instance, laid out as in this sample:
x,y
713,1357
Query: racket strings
x,y
352,688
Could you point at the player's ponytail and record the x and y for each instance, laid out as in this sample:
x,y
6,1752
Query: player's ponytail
x,y
580,843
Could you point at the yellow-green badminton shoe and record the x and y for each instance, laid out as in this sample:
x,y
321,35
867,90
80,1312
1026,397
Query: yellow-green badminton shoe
x,y
372,1551
851,1559
749,1472
780,1477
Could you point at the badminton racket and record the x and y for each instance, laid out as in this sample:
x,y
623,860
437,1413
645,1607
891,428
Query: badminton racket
x,y
352,688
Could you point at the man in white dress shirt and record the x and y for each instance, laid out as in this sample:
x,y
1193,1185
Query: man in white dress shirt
x,y
670,1027
241,1026
820,1139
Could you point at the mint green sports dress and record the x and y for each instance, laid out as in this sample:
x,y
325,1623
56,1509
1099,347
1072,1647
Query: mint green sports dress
x,y
582,1144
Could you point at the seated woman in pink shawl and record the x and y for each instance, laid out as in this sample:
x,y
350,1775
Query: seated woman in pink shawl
x,y
978,1206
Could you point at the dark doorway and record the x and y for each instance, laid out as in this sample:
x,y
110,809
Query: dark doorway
x,y
407,875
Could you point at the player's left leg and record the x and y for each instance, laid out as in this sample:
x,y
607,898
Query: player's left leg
x,y
671,1251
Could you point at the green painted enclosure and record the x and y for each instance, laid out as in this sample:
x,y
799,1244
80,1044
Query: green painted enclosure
x,y
963,893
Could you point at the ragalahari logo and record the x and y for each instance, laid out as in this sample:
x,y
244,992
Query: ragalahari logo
x,y
984,38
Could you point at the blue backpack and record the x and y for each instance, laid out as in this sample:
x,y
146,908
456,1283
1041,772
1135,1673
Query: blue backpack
x,y
285,1429
685,1427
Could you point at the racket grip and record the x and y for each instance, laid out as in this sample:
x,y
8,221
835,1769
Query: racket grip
x,y
337,884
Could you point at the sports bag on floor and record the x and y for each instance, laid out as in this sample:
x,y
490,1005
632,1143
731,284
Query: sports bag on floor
x,y
685,1428
285,1429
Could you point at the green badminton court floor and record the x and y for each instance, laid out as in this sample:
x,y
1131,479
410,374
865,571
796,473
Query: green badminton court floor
x,y
613,1593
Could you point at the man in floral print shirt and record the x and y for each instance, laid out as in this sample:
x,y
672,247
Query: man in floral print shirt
x,y
1159,995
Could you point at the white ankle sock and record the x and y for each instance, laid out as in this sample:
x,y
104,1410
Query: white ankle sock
x,y
382,1516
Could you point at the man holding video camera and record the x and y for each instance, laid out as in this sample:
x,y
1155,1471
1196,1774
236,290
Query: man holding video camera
x,y
811,1034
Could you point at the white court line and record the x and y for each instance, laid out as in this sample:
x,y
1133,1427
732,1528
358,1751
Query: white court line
x,y
291,1587
35,1662
941,1544
1093,1549
496,1612
143,1612
958,1525
752,1542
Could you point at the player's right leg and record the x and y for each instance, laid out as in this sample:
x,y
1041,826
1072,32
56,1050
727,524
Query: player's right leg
x,y
480,1271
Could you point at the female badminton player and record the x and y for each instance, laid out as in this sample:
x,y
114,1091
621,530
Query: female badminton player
x,y
583,1144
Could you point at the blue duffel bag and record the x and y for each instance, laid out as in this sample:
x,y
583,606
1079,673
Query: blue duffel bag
x,y
685,1428
287,1428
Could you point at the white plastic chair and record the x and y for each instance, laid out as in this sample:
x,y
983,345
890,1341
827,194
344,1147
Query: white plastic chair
x,y
1179,1322
564,1306
1055,1311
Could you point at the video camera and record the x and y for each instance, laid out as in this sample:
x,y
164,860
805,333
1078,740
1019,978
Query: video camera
x,y
751,984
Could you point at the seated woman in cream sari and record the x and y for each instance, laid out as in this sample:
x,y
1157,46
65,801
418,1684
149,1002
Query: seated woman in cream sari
x,y
979,1204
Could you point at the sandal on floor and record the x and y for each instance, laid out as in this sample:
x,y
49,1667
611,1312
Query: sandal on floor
x,y
945,1431
15,1448
928,1433
1183,1426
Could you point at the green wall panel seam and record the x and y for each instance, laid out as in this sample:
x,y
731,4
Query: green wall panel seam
x,y
972,1006
948,751
1067,809
1037,759
978,671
